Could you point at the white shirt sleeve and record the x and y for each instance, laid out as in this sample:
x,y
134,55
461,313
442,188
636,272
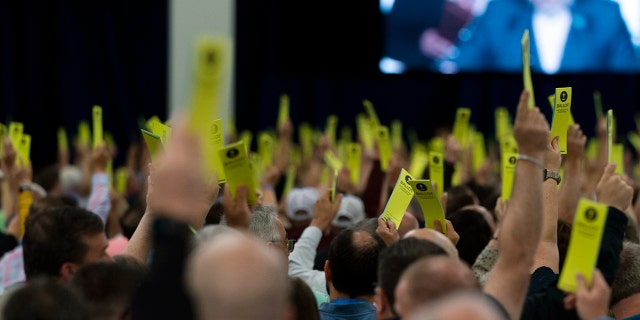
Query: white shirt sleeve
x,y
301,260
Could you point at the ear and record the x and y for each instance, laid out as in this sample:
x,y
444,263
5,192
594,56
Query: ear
x,y
327,271
380,299
67,270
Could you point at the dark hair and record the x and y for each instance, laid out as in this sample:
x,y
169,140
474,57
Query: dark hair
x,y
474,231
44,298
394,259
303,300
48,177
107,288
353,261
564,234
460,196
54,236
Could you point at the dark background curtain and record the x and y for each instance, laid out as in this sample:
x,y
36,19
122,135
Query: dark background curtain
x,y
325,54
58,58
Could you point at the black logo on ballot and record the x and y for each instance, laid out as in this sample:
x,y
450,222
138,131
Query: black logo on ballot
x,y
232,153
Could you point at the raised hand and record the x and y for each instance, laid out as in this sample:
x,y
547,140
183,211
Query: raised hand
x,y
613,190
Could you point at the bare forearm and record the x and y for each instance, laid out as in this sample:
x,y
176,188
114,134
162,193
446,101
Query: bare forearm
x,y
570,192
139,245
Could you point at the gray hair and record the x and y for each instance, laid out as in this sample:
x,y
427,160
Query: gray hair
x,y
627,280
262,224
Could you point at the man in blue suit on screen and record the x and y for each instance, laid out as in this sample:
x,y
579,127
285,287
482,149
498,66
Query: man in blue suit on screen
x,y
567,36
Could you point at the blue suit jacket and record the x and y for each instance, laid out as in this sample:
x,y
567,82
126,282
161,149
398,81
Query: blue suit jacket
x,y
598,39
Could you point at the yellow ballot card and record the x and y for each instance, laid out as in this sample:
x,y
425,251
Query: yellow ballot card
x,y
399,200
151,123
560,120
283,111
634,139
345,134
617,155
384,146
461,125
526,68
509,160
332,160
305,133
25,199
508,143
289,181
419,161
331,129
63,141
122,175
98,133
3,133
334,185
371,113
597,104
162,130
365,133
247,137
153,142
502,122
353,157
265,149
429,202
15,133
552,103
436,172
238,170
479,154
610,135
216,135
584,243
396,133
24,148
84,133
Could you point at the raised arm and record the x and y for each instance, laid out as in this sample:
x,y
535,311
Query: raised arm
x,y
570,190
99,200
547,253
520,230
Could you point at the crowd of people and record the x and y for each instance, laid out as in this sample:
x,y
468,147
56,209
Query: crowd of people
x,y
176,244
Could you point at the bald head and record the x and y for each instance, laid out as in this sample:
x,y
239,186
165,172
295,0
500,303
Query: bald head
x,y
457,306
435,237
236,276
408,223
431,278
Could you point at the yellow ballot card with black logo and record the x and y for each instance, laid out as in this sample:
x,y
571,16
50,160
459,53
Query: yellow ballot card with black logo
x,y
384,146
429,202
399,200
526,68
436,172
584,243
509,160
98,132
353,157
24,148
153,142
560,120
238,170
610,135
461,125
15,133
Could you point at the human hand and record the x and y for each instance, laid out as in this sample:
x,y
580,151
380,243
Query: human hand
x,y
452,149
552,156
387,231
576,142
271,176
451,233
324,211
500,209
236,210
613,190
285,130
9,154
178,186
590,302
530,129
100,157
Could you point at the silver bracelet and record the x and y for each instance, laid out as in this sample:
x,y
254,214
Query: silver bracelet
x,y
536,161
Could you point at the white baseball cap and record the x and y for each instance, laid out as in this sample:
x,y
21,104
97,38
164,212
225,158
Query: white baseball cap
x,y
300,203
351,212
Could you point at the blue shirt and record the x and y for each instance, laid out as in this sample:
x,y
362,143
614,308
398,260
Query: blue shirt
x,y
347,309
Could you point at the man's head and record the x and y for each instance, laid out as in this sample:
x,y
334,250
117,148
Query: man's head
x,y
431,278
235,276
351,269
435,237
627,280
45,298
107,288
58,241
265,225
458,306
392,261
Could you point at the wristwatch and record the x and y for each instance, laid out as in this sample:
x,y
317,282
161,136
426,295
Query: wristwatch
x,y
548,174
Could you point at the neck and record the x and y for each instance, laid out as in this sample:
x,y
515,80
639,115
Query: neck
x,y
335,294
627,307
